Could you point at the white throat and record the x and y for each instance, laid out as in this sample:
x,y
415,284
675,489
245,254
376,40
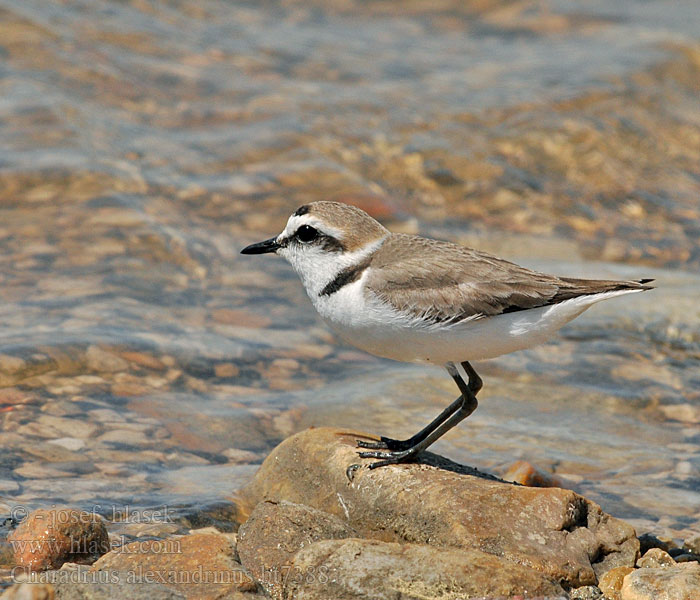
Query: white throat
x,y
317,267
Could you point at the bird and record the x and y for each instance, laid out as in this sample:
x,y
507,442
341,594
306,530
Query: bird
x,y
421,300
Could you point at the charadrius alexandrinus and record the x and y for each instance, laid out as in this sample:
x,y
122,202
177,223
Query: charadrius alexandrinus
x,y
421,300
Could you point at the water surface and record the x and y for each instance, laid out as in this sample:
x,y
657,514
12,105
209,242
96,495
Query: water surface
x,y
144,362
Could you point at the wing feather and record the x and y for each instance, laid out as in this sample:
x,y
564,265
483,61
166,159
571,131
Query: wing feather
x,y
438,282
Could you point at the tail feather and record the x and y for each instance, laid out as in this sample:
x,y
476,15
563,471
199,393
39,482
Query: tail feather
x,y
586,287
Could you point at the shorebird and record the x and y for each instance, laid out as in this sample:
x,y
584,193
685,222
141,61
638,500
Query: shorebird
x,y
415,299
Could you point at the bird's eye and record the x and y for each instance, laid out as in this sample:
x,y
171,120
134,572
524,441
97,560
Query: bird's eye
x,y
306,234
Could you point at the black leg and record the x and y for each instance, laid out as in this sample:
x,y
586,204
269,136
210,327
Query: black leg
x,y
405,450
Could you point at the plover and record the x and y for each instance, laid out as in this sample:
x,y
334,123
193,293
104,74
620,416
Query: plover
x,y
415,299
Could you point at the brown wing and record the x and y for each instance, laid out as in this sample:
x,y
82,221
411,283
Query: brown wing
x,y
442,282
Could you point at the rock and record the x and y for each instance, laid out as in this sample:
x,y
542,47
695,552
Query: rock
x,y
359,568
524,473
687,557
100,361
69,443
692,545
654,558
551,530
269,539
648,540
681,582
587,592
686,413
198,565
30,591
611,582
48,538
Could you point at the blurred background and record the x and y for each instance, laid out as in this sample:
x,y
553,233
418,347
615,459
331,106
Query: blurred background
x,y
143,143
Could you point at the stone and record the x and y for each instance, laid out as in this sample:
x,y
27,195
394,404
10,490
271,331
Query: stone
x,y
101,361
611,582
198,565
681,582
648,540
692,545
686,413
524,473
372,569
69,443
269,539
46,539
30,591
656,557
587,592
554,531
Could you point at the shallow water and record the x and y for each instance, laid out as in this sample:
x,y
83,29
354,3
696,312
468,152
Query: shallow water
x,y
144,362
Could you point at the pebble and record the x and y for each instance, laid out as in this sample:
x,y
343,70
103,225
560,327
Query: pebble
x,y
681,582
101,361
610,583
125,436
524,473
46,539
654,558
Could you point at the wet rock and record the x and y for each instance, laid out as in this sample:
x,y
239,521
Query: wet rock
x,y
198,565
686,413
269,539
648,541
692,544
372,569
687,557
555,531
654,558
524,473
681,582
611,582
48,538
101,361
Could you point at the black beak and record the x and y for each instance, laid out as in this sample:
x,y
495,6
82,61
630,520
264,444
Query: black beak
x,y
270,245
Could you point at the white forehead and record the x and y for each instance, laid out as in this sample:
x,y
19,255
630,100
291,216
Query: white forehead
x,y
296,221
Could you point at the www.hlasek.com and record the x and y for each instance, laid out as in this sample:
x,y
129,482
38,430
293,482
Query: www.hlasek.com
x,y
80,547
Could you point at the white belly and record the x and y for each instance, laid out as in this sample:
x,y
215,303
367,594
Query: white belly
x,y
373,327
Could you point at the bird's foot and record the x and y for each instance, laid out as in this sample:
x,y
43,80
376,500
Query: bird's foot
x,y
385,443
388,458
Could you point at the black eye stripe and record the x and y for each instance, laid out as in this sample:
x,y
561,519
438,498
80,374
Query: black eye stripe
x,y
307,235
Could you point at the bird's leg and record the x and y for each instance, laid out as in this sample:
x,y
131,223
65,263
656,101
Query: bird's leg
x,y
405,450
386,443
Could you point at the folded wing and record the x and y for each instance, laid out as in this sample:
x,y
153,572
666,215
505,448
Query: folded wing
x,y
439,282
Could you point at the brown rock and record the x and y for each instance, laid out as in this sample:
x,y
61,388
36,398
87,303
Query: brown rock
x,y
524,473
611,582
692,544
269,539
48,538
681,582
143,359
554,531
240,318
101,361
358,568
655,558
30,591
198,565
